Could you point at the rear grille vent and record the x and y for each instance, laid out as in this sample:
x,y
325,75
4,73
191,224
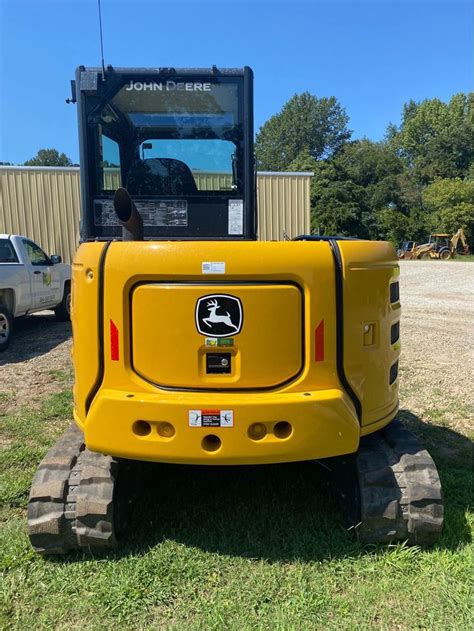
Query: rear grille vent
x,y
395,292
393,372
395,333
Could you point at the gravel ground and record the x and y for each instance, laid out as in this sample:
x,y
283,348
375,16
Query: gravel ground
x,y
437,334
436,363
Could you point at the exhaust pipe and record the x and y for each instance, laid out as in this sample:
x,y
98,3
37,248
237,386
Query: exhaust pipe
x,y
128,215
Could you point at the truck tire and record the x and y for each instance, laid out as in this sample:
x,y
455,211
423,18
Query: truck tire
x,y
6,328
63,310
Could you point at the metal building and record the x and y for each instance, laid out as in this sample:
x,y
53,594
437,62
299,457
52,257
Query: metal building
x,y
43,203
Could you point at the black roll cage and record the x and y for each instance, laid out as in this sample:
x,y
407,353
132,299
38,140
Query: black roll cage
x,y
92,84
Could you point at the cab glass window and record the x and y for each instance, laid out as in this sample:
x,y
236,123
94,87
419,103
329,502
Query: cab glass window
x,y
111,177
7,252
176,139
36,254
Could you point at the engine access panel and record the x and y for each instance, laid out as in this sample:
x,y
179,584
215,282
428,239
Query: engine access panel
x,y
232,336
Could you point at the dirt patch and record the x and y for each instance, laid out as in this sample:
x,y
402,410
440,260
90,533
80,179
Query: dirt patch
x,y
37,363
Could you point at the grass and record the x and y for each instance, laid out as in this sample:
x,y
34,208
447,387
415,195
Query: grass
x,y
466,258
60,376
241,548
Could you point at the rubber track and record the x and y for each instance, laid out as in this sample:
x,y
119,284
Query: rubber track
x,y
400,490
71,503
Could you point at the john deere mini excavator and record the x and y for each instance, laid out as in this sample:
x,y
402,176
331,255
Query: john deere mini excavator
x,y
196,344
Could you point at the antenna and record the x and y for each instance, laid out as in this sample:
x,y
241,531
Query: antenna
x,y
101,40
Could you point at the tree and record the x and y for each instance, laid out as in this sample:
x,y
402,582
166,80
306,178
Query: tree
x,y
394,225
351,188
452,204
5,164
436,139
340,210
418,180
49,158
367,162
305,124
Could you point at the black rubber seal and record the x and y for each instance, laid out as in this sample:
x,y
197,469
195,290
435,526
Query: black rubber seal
x,y
340,328
100,328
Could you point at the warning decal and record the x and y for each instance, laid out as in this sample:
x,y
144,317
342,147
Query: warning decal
x,y
236,216
211,418
154,212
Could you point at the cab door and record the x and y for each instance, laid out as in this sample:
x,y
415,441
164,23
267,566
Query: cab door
x,y
45,285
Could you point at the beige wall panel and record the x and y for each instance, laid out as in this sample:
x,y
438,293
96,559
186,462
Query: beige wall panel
x,y
212,181
284,205
43,204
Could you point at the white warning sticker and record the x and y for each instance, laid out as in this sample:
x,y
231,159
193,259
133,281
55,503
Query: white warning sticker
x,y
154,212
211,418
236,216
213,267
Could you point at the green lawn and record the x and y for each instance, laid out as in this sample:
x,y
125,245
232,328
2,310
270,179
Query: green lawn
x,y
236,548
465,258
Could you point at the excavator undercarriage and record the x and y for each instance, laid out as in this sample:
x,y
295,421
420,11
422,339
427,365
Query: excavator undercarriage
x,y
389,491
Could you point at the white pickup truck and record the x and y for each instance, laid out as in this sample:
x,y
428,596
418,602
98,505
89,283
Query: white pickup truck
x,y
30,281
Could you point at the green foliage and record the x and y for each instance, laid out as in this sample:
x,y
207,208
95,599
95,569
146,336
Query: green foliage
x,y
394,225
452,204
418,180
304,162
436,139
306,124
49,158
349,190
368,163
397,227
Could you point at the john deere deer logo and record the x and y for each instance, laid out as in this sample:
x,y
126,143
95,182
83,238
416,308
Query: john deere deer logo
x,y
219,315
214,318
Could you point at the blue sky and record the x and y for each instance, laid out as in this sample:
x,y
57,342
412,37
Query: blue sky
x,y
372,55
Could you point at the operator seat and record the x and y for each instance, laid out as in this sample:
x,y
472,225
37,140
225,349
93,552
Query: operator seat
x,y
160,176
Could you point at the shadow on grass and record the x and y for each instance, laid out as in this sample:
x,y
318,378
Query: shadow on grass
x,y
33,336
279,512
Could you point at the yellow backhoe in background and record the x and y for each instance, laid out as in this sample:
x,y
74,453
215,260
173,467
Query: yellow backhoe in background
x,y
459,243
441,245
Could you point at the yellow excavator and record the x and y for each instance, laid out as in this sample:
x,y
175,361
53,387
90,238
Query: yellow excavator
x,y
194,343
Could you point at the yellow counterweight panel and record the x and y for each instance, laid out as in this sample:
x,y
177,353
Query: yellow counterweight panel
x,y
302,264
313,425
85,322
368,270
295,284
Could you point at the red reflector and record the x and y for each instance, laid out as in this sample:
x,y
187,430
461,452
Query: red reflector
x,y
319,342
114,342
